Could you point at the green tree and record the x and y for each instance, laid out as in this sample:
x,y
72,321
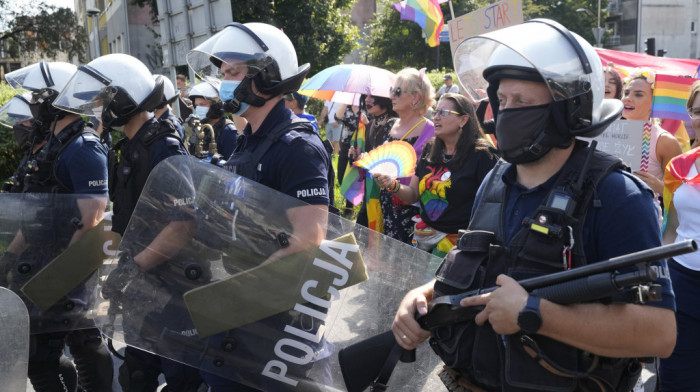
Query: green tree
x,y
393,43
35,26
321,30
10,153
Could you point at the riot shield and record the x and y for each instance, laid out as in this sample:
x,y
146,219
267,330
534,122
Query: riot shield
x,y
14,341
205,275
48,261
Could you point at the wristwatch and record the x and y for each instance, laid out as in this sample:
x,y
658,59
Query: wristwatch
x,y
530,319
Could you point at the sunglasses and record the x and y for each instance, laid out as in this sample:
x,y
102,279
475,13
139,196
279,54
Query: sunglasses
x,y
396,92
694,113
445,112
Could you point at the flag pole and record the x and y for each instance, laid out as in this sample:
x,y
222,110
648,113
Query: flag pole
x,y
452,11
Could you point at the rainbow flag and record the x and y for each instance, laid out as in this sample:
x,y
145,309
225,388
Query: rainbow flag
x,y
670,96
353,185
427,14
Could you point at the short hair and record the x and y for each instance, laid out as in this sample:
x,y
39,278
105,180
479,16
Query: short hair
x,y
694,91
411,80
181,78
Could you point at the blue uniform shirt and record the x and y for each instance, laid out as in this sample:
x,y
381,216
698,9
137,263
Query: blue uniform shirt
x,y
226,142
311,119
168,115
296,165
626,222
82,165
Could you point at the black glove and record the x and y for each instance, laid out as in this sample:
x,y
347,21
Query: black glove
x,y
118,280
7,261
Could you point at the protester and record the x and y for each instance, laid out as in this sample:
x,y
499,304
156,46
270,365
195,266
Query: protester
x,y
279,150
518,340
333,127
448,87
348,116
297,103
448,174
184,104
381,118
637,98
679,371
411,96
613,82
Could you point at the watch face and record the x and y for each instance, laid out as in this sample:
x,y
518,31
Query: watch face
x,y
529,321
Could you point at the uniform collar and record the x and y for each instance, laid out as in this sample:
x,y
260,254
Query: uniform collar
x,y
278,113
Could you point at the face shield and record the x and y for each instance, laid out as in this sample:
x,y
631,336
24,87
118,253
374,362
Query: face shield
x,y
86,93
15,112
230,54
555,54
33,77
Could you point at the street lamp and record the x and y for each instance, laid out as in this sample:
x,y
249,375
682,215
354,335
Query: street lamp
x,y
597,31
92,13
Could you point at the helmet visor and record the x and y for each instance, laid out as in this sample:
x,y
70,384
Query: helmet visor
x,y
230,50
86,93
15,111
556,55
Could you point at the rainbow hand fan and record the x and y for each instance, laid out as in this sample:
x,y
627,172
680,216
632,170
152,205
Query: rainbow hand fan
x,y
395,159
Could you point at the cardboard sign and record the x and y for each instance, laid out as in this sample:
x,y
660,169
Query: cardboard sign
x,y
490,18
629,141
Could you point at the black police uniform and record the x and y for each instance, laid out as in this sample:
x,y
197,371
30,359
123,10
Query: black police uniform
x,y
73,161
131,162
610,203
294,161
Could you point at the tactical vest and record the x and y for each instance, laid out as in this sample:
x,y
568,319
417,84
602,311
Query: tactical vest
x,y
129,167
549,241
15,184
58,220
247,164
42,175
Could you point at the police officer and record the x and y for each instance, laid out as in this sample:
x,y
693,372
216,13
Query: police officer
x,y
71,160
209,109
544,92
277,149
120,90
164,111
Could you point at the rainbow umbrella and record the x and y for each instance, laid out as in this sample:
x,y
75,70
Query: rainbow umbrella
x,y
345,83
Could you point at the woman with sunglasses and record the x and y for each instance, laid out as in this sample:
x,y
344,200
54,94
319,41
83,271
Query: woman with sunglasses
x,y
679,371
411,97
448,175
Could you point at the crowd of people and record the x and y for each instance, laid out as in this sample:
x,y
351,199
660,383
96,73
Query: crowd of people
x,y
530,200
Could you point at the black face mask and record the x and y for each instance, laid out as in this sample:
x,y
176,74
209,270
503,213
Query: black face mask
x,y
23,134
522,133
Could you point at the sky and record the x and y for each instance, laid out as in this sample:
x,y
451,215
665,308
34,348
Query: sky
x,y
61,3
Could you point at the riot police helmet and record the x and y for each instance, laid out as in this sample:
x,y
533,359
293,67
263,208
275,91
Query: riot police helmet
x,y
566,63
16,111
114,88
260,52
169,92
43,81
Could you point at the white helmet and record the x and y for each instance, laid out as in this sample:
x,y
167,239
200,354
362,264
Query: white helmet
x,y
113,87
169,92
265,50
208,89
564,61
15,111
44,80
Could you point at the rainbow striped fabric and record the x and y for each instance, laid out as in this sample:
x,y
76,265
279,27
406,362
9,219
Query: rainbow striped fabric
x,y
670,97
427,14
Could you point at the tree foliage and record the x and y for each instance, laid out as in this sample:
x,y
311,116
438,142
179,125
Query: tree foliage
x,y
394,44
48,30
321,30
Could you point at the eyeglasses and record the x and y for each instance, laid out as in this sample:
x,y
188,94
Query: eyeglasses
x,y
694,113
445,112
396,92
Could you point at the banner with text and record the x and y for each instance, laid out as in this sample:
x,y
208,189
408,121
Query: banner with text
x,y
629,141
493,17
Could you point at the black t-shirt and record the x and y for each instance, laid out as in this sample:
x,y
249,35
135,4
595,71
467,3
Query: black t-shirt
x,y
447,191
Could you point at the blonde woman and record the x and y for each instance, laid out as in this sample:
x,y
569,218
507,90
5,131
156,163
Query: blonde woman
x,y
637,99
411,96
